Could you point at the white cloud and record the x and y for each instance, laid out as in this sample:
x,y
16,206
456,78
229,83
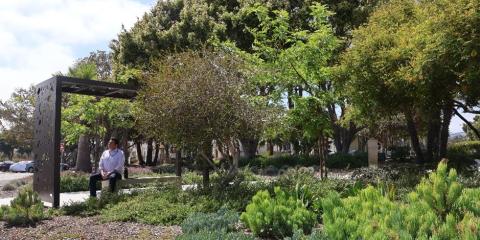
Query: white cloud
x,y
39,38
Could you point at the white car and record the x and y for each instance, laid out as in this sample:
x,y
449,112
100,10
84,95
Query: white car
x,y
23,166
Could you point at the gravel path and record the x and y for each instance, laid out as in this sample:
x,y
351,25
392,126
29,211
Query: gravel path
x,y
67,227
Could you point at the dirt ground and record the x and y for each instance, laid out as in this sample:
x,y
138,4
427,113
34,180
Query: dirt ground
x,y
68,227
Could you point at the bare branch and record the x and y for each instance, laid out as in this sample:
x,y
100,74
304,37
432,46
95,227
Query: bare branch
x,y
470,125
307,85
465,108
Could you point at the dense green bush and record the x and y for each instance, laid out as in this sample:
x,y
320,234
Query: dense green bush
x,y
3,210
344,160
462,154
93,206
164,168
166,206
439,208
277,217
8,187
280,161
25,210
74,182
234,195
191,177
215,235
222,220
471,180
303,184
400,153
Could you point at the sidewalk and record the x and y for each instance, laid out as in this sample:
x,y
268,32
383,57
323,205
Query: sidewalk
x,y
68,198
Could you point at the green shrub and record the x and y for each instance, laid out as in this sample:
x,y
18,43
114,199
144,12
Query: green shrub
x,y
437,209
87,208
191,177
222,220
462,154
164,168
3,211
472,180
168,206
303,184
93,206
280,161
25,210
344,160
235,195
215,235
399,153
8,187
74,183
277,217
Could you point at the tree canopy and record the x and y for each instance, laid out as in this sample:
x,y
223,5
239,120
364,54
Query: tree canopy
x,y
415,58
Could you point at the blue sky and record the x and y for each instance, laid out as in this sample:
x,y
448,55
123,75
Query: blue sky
x,y
41,37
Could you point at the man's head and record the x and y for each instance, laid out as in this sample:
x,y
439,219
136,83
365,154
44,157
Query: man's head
x,y
113,143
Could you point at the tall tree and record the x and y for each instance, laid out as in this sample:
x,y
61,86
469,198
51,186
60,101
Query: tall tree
x,y
199,98
415,58
472,129
16,119
93,120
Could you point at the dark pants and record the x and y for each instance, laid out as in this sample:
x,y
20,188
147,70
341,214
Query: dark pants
x,y
94,178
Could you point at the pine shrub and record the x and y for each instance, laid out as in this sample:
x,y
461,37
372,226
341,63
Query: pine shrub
x,y
24,210
439,208
277,216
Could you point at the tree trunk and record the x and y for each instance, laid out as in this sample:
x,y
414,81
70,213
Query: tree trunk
x,y
83,155
235,151
412,130
206,177
249,147
167,153
207,153
98,149
270,148
178,163
444,133
138,145
289,98
433,136
322,146
343,137
157,151
149,152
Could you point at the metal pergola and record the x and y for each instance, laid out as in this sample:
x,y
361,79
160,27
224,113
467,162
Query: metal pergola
x,y
46,145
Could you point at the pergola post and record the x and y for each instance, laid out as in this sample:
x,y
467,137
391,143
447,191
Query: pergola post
x,y
47,120
46,145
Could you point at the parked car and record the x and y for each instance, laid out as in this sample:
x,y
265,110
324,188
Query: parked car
x,y
23,166
5,165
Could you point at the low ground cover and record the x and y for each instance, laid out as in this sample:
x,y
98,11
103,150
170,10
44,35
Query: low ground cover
x,y
316,204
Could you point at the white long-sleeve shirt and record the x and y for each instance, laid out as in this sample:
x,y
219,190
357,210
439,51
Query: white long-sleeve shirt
x,y
112,160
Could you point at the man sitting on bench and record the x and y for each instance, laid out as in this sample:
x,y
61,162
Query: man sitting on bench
x,y
110,166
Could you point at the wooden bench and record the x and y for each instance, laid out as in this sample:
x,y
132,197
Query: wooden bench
x,y
144,180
